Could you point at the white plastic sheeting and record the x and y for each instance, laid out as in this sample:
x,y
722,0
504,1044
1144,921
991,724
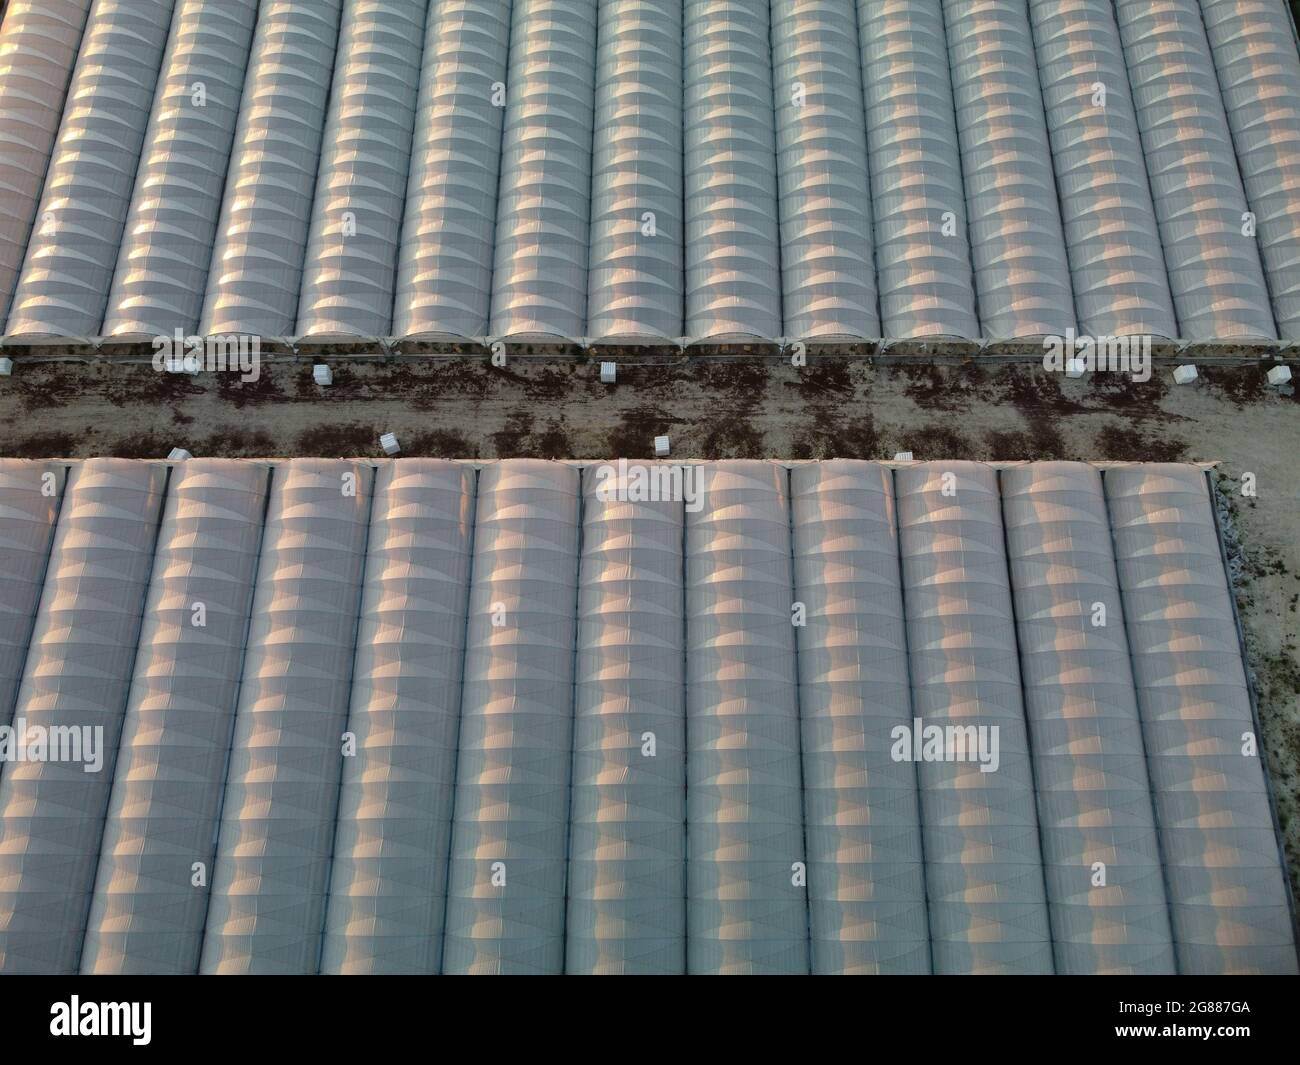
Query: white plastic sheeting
x,y
635,281
983,869
267,907
733,256
256,271
39,40
1105,884
828,274
162,265
505,893
919,206
388,880
862,824
1254,48
1116,266
30,493
1017,244
1214,268
64,284
539,284
78,670
775,823
147,912
1227,895
627,827
351,259
444,272
613,171
747,909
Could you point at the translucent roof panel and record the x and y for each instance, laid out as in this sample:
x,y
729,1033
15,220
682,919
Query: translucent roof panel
x,y
968,736
54,793
1254,48
614,173
533,717
1211,248
744,797
39,39
1227,898
627,823
64,285
1116,266
388,878
539,282
350,264
271,874
147,913
255,278
634,285
505,889
162,265
861,820
1101,859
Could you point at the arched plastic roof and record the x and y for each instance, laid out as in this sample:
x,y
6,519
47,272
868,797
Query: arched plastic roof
x,y
1254,48
539,281
162,265
76,678
1116,266
919,207
1228,902
1101,858
255,278
828,273
627,823
444,269
733,265
146,915
387,892
1214,267
604,173
356,220
743,774
64,284
641,719
267,903
983,869
861,820
30,495
1022,279
635,282
505,891
39,39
